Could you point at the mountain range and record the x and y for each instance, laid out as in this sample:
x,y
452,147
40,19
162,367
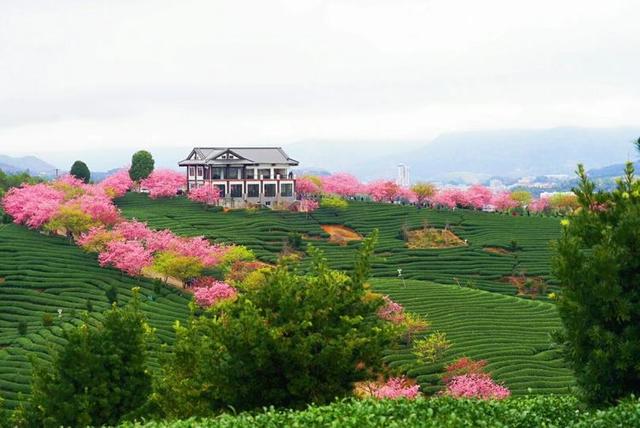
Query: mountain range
x,y
450,157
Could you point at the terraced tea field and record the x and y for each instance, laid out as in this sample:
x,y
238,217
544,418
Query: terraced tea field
x,y
265,232
40,275
512,334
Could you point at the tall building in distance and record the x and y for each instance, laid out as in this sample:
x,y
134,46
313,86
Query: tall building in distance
x,y
403,176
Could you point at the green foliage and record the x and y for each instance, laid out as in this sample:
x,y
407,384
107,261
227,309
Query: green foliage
x,y
8,181
431,348
598,264
235,254
333,203
99,376
111,294
171,264
522,197
70,219
89,306
22,328
294,239
529,412
80,170
297,339
142,165
47,320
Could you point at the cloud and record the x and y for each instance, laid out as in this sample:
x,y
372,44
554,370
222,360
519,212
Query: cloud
x,y
116,73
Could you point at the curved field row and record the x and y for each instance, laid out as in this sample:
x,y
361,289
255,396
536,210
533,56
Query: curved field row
x,y
266,231
511,334
40,275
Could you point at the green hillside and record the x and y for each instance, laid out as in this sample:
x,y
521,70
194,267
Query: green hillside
x,y
512,334
265,231
41,274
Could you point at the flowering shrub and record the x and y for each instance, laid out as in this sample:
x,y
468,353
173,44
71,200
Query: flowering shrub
x,y
305,186
395,388
463,366
128,256
116,185
213,292
32,205
133,230
475,385
163,183
97,238
208,195
391,311
306,205
431,348
100,208
341,184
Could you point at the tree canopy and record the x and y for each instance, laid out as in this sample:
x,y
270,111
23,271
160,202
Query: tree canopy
x,y
80,170
142,165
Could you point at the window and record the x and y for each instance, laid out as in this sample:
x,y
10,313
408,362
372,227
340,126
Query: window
x,y
264,173
249,173
216,173
236,190
199,171
286,190
270,190
221,187
192,171
253,190
207,170
281,172
234,173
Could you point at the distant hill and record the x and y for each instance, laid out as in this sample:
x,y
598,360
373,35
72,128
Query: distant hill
x,y
31,164
612,171
521,152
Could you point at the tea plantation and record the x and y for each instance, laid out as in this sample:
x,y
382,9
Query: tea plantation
x,y
265,232
39,275
512,334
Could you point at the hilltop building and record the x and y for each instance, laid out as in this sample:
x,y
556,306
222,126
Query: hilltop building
x,y
403,176
244,175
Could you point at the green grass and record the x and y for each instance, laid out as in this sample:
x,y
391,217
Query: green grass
x,y
43,274
265,232
512,334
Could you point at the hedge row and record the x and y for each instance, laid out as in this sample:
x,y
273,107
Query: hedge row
x,y
528,412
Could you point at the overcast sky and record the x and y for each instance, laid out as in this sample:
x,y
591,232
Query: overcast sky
x,y
130,74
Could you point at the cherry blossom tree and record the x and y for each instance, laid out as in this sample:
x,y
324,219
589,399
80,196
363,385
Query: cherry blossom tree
x,y
424,192
539,205
133,230
32,205
97,238
118,184
477,196
396,388
503,201
208,195
305,187
130,257
209,292
341,184
307,205
99,207
475,385
383,190
447,198
391,311
163,183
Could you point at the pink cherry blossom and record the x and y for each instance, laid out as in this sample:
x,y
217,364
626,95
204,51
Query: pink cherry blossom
x,y
206,194
503,201
539,205
163,183
99,207
32,205
395,388
128,256
383,190
478,196
475,385
341,184
133,230
306,205
447,197
209,292
391,311
305,186
117,184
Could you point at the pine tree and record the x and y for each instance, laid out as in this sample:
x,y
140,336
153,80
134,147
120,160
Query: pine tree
x,y
80,170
